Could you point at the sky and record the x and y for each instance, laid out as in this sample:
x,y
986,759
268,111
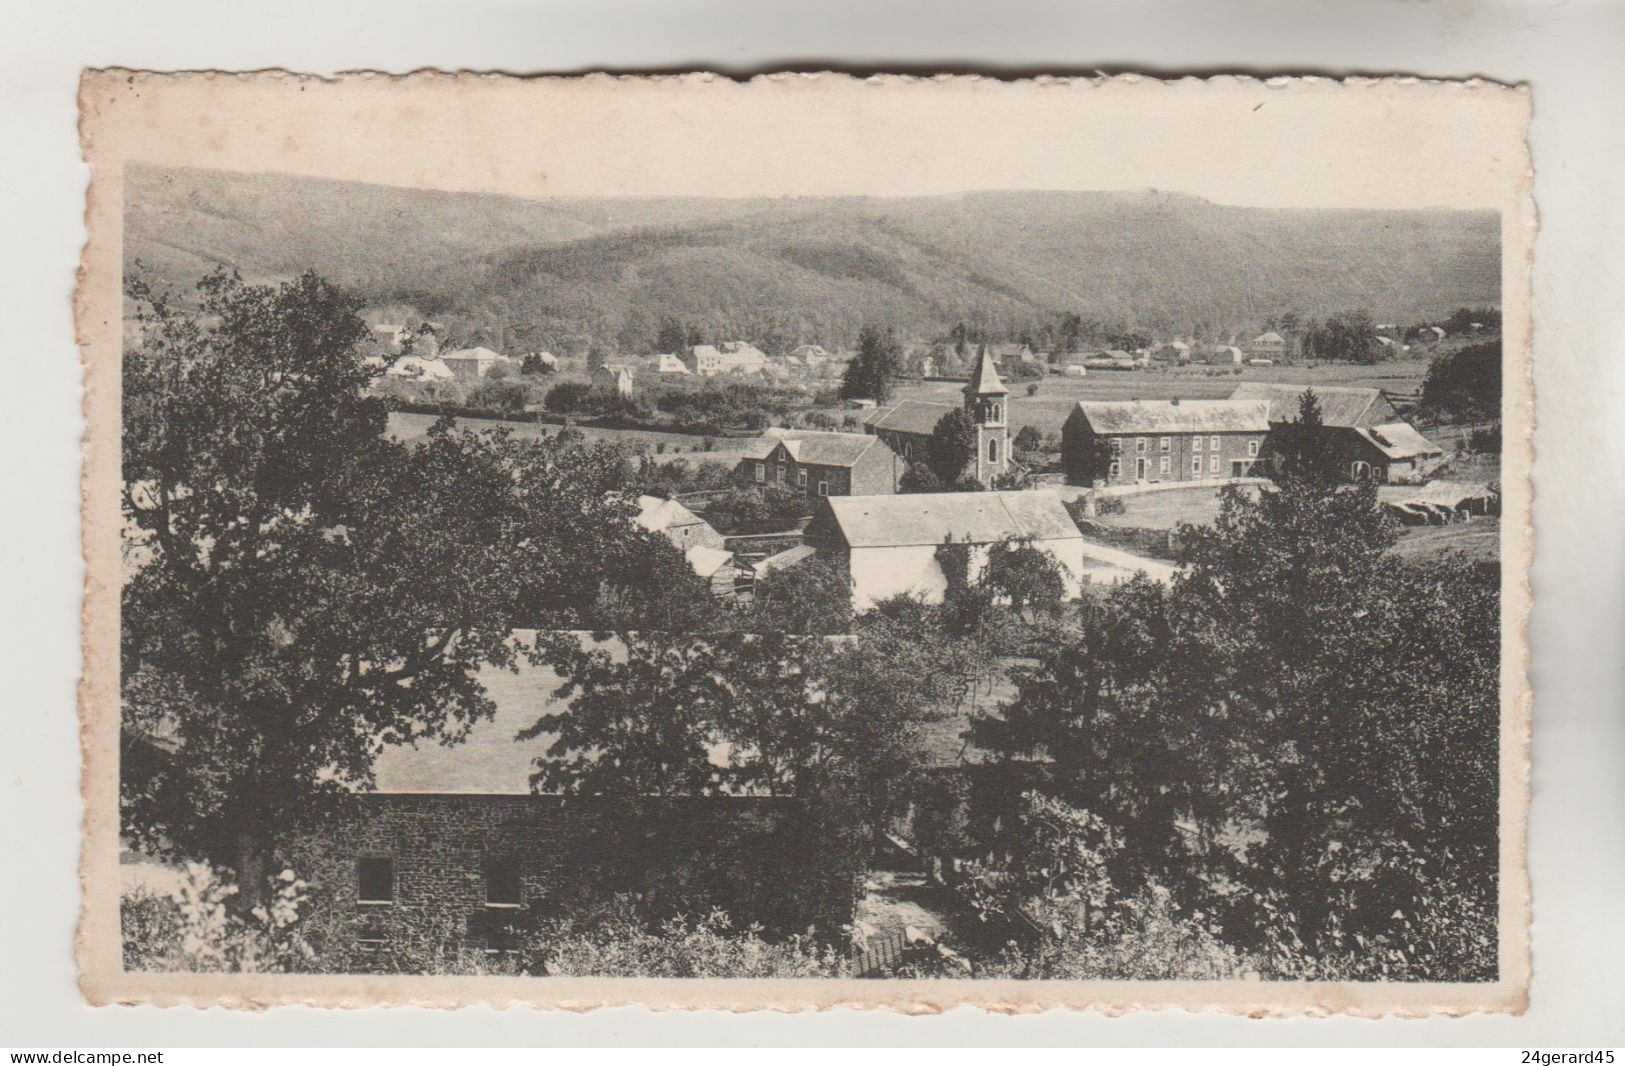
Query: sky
x,y
1230,140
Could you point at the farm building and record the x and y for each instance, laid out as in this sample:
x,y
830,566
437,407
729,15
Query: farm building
x,y
1340,405
471,364
888,544
1226,355
820,463
719,568
1121,442
676,523
1391,454
454,851
1362,424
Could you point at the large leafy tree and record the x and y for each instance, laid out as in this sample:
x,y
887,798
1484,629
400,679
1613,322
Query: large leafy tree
x,y
1465,384
878,363
302,590
1297,740
951,447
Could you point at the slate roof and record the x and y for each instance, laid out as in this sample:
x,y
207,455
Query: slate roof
x,y
707,561
968,517
1340,405
1185,416
1271,337
984,380
815,447
910,416
657,515
490,760
1399,440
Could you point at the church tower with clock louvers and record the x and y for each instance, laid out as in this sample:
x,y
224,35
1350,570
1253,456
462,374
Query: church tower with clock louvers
x,y
986,402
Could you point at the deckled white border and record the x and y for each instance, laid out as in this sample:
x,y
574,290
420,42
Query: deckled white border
x,y
112,122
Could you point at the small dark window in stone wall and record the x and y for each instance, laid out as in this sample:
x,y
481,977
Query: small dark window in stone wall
x,y
502,881
375,875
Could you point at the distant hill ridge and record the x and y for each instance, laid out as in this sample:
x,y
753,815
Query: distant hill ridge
x,y
572,273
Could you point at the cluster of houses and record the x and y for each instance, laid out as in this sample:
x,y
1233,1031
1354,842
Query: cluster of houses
x,y
885,540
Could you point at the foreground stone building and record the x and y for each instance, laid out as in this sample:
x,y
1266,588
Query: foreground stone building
x,y
455,856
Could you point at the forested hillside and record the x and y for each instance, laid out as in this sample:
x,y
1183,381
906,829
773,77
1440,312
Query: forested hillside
x,y
573,274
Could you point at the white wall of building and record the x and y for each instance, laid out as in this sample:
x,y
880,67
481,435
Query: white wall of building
x,y
880,573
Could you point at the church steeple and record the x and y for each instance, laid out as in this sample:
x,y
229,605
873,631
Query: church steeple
x,y
984,380
985,399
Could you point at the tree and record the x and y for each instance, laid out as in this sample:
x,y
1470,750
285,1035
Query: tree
x,y
879,362
569,397
1465,384
1027,579
951,448
1298,716
306,590
1303,450
812,597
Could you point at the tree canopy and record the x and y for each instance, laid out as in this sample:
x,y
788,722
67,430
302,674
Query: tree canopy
x,y
877,364
303,590
1297,740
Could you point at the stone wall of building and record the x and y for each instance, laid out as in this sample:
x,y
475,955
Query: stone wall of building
x,y
758,859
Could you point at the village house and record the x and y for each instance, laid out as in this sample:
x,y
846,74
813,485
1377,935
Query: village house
x,y
1226,355
1370,438
471,364
1162,440
730,357
667,363
888,545
907,426
613,380
453,850
1270,345
416,368
810,355
819,463
676,523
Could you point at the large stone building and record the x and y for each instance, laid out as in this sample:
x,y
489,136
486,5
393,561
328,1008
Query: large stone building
x,y
819,463
1124,442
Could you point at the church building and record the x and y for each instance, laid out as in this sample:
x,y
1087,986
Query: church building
x,y
907,425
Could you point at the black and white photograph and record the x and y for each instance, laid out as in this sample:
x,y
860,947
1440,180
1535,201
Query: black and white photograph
x,y
942,535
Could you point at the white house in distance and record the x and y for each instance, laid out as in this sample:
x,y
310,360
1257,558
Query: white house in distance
x,y
613,379
730,357
889,543
471,364
667,363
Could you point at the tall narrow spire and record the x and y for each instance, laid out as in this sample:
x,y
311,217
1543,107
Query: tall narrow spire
x,y
984,380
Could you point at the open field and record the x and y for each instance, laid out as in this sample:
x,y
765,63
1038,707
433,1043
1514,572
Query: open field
x,y
1478,540
1056,395
1165,510
410,426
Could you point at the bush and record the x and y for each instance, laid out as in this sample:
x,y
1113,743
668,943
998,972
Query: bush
x,y
568,397
194,930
